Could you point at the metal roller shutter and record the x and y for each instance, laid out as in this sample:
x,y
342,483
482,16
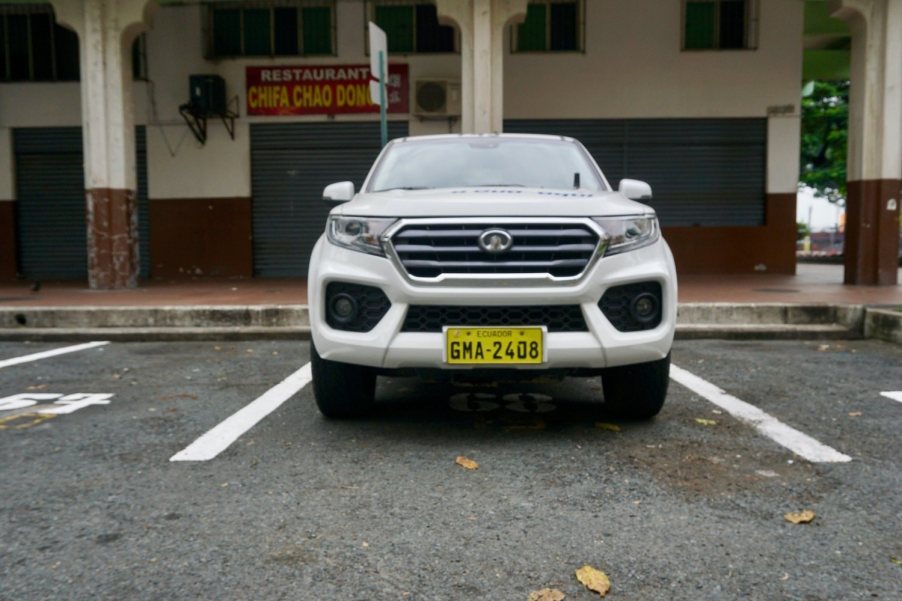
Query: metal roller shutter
x,y
50,190
708,172
291,163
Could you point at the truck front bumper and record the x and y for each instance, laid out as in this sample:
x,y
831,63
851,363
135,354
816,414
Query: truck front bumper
x,y
386,346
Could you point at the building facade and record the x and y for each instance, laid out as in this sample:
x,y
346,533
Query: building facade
x,y
221,175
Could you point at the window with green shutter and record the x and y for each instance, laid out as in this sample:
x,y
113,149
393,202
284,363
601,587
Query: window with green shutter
x,y
550,26
256,28
719,24
226,31
397,23
279,28
317,27
33,47
412,27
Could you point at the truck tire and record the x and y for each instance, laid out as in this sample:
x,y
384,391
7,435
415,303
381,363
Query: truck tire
x,y
342,390
636,391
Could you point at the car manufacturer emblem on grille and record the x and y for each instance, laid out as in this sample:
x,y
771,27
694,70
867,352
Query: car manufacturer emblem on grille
x,y
495,241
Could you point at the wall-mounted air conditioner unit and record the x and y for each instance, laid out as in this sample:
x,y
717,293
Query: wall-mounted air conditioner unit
x,y
435,97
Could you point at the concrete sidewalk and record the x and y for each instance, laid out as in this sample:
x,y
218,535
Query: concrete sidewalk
x,y
813,304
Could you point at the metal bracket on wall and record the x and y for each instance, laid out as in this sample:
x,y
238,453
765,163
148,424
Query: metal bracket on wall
x,y
196,119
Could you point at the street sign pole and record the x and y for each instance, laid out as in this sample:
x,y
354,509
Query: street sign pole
x,y
383,113
379,72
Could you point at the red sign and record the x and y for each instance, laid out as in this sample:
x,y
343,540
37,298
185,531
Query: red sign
x,y
321,90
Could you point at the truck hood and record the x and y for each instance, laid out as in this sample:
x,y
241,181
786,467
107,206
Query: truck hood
x,y
491,202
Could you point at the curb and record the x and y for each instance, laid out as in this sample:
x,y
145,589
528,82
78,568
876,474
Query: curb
x,y
764,332
883,324
728,321
769,321
171,316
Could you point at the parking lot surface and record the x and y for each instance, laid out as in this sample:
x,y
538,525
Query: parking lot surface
x,y
204,471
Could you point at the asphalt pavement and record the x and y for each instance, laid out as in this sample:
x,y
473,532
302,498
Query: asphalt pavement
x,y
202,470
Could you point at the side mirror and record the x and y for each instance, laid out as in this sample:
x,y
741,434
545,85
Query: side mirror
x,y
338,193
635,189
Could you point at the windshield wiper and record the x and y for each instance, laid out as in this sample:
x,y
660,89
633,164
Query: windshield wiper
x,y
402,188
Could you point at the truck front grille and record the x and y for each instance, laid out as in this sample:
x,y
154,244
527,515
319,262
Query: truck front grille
x,y
431,318
562,249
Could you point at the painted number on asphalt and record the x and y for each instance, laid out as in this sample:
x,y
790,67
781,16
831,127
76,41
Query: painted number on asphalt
x,y
62,404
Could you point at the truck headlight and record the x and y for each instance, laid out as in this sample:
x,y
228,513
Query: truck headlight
x,y
358,233
628,232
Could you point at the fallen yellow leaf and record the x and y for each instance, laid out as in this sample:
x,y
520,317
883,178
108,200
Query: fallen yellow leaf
x,y
706,422
546,594
606,426
854,413
800,517
896,561
466,463
594,580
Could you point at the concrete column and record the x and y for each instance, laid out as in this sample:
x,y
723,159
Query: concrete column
x,y
482,24
783,155
106,30
875,140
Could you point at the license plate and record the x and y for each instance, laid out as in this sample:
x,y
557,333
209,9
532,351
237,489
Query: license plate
x,y
495,346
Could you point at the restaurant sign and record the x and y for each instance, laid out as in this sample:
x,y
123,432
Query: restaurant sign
x,y
321,90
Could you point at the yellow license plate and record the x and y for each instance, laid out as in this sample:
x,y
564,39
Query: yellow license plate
x,y
494,346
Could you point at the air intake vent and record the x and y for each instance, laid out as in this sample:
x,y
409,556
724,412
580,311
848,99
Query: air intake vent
x,y
432,318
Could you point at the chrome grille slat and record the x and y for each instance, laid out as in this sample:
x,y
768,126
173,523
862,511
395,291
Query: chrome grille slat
x,y
514,264
425,248
554,249
452,233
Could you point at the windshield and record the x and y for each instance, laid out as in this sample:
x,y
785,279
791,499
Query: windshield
x,y
476,162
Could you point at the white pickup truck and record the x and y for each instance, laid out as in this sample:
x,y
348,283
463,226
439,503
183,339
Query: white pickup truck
x,y
502,255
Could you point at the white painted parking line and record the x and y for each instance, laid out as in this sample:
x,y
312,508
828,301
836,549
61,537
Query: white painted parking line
x,y
799,443
228,431
896,395
52,353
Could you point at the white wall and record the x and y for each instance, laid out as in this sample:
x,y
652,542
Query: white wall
x,y
178,166
632,67
40,105
783,154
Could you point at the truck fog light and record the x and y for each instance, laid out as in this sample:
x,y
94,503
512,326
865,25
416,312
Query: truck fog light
x,y
644,308
343,308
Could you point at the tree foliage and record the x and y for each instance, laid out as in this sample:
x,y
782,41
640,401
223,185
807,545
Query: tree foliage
x,y
825,118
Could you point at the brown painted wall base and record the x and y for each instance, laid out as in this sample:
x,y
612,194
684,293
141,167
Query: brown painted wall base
x,y
7,239
872,232
730,250
201,237
112,238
